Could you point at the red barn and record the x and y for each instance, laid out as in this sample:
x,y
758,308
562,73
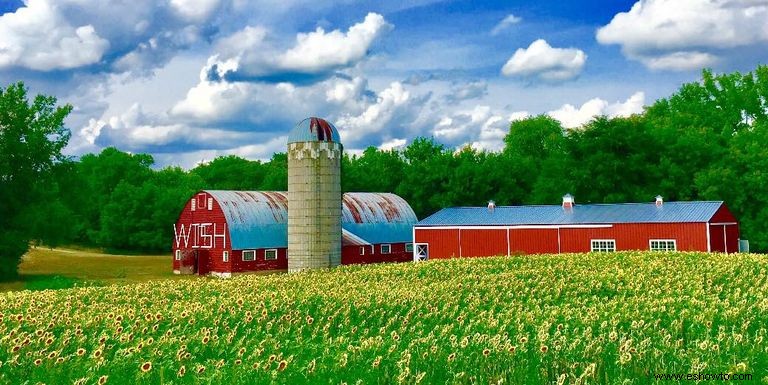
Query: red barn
x,y
225,232
570,228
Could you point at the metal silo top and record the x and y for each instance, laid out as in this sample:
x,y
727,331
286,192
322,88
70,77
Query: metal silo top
x,y
314,130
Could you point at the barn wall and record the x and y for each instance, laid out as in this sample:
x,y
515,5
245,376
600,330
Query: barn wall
x,y
351,254
723,215
482,242
443,243
533,241
260,264
203,230
717,238
630,236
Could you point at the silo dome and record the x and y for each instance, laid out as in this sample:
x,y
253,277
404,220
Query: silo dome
x,y
314,130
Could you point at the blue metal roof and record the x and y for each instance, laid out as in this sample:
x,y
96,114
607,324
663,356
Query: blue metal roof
x,y
256,219
669,212
314,130
259,219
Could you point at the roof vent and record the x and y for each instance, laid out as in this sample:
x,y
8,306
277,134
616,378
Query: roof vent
x,y
567,201
491,206
659,201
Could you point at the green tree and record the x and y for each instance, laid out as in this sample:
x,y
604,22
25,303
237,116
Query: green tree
x,y
231,172
373,171
32,136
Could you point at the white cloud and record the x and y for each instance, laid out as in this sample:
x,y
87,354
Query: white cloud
x,y
315,53
467,91
376,116
572,117
38,37
195,10
682,34
505,23
392,144
545,62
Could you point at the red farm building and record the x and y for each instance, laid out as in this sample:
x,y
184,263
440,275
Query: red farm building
x,y
571,228
225,232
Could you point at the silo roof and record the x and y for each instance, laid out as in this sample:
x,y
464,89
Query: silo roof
x,y
259,219
314,130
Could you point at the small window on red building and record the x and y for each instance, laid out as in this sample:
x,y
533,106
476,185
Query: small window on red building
x,y
362,250
386,249
249,255
225,256
178,255
270,255
210,204
409,247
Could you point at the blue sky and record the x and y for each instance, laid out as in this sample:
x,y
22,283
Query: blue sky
x,y
189,80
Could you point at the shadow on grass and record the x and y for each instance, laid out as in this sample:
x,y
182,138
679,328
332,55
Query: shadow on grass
x,y
45,282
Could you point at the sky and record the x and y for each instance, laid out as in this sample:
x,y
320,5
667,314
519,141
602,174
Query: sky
x,y
190,80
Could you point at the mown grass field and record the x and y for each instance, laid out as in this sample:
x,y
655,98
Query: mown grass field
x,y
43,268
559,319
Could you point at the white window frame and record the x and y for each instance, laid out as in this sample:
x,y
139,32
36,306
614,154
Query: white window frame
x,y
389,248
600,248
225,256
250,259
193,204
409,247
362,250
666,242
210,204
267,257
178,255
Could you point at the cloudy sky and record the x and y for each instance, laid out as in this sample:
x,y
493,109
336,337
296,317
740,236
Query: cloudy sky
x,y
188,80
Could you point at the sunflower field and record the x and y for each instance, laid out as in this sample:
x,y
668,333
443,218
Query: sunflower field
x,y
599,318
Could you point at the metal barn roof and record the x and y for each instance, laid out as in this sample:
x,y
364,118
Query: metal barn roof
x,y
259,219
669,212
314,130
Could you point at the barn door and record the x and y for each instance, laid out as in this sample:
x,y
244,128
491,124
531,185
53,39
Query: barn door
x,y
421,252
203,262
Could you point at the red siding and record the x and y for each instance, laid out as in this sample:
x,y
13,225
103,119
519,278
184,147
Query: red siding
x,y
533,241
238,265
723,215
442,243
480,243
199,227
351,254
717,237
631,236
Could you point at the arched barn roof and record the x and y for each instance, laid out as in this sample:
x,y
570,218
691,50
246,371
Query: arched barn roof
x,y
259,219
256,219
314,130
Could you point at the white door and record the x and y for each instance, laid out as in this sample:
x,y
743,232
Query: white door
x,y
421,252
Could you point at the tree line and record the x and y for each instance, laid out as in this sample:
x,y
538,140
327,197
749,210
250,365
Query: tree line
x,y
707,141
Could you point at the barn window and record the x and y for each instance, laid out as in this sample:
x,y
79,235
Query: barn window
x,y
603,245
193,204
249,255
178,255
270,255
225,256
386,249
362,250
663,245
210,204
409,247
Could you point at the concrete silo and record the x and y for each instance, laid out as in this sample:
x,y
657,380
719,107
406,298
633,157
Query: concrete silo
x,y
314,195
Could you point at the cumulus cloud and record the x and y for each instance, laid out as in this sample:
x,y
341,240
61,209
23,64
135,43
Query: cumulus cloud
x,y
396,143
315,55
390,103
195,10
467,91
686,34
545,62
38,37
505,23
573,117
481,128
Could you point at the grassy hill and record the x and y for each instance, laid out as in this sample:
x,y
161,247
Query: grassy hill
x,y
613,318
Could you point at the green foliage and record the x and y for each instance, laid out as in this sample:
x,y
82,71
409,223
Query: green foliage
x,y
32,135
